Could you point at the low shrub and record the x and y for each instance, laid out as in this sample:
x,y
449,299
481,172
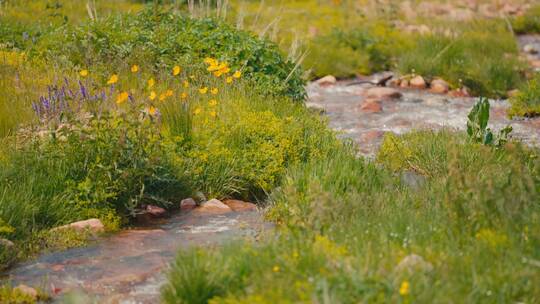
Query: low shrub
x,y
528,23
527,101
164,39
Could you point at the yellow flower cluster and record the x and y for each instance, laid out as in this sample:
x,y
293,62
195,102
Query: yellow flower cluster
x,y
221,68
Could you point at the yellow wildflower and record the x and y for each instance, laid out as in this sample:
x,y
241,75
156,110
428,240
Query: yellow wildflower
x,y
203,90
134,68
169,93
210,61
183,95
404,289
275,268
212,102
197,111
214,91
218,73
162,96
153,95
151,82
176,70
237,74
151,110
113,79
122,97
295,254
83,73
229,79
186,84
213,114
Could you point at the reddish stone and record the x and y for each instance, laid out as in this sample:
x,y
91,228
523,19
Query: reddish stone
x,y
212,207
418,82
188,204
382,93
155,211
439,86
93,225
240,206
371,106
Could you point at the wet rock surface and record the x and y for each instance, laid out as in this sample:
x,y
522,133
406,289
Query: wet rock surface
x,y
345,105
128,267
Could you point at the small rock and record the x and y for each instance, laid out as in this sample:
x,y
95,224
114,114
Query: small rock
x,y
404,83
413,263
418,82
93,225
155,211
6,243
27,290
326,81
412,179
394,82
371,106
535,63
530,49
240,206
439,86
188,204
381,93
213,206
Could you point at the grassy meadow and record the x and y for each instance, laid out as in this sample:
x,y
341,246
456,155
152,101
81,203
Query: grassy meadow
x,y
106,107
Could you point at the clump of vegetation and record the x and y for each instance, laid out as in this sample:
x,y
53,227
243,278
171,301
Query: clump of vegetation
x,y
363,50
527,101
485,62
347,225
163,39
477,126
528,23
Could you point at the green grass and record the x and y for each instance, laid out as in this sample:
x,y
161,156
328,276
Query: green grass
x,y
484,61
527,101
346,225
529,23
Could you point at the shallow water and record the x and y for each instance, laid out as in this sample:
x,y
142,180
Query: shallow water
x,y
417,109
128,267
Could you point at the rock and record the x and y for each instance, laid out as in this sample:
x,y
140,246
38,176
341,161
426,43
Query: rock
x,y
382,93
27,290
371,106
417,82
92,225
413,263
404,83
240,206
213,206
439,86
188,204
155,211
535,63
326,81
6,243
412,179
530,49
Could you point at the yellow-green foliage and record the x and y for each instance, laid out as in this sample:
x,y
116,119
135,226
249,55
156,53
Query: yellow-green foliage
x,y
527,101
9,295
43,12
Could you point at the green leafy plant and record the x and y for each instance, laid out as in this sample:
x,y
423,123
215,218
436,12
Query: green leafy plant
x,y
477,124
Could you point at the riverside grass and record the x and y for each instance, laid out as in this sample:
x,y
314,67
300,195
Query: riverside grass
x,y
346,224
